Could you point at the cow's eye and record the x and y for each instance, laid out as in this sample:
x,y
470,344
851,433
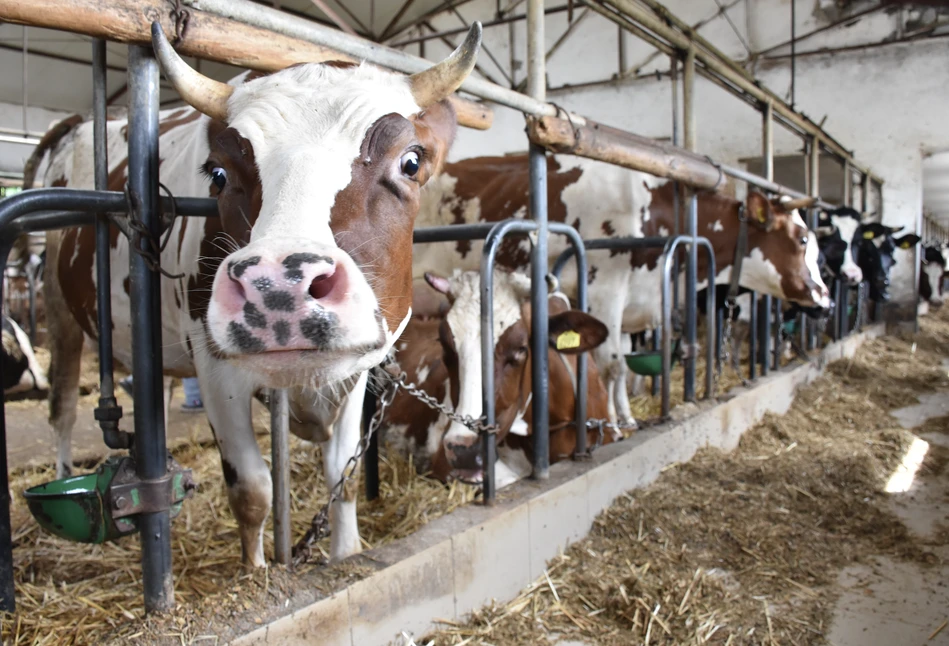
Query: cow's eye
x,y
219,177
804,241
409,164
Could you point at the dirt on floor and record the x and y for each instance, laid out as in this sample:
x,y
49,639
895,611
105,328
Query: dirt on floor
x,y
747,547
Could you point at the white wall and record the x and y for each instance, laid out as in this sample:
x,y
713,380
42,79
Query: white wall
x,y
13,156
887,104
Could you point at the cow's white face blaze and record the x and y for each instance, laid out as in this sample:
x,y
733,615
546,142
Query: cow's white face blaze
x,y
847,226
318,174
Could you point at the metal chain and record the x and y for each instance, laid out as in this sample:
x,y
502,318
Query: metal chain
x,y
319,526
138,233
182,17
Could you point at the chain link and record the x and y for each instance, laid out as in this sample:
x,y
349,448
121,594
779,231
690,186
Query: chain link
x,y
479,425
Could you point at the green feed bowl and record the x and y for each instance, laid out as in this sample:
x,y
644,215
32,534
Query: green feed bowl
x,y
648,364
790,327
73,508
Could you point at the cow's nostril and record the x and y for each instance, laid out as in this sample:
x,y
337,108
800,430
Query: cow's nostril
x,y
238,288
322,285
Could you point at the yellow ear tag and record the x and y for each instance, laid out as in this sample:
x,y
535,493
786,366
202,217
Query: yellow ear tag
x,y
760,213
906,245
868,235
568,340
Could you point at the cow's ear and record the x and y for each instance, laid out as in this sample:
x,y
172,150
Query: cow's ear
x,y
759,211
573,331
436,126
439,284
908,241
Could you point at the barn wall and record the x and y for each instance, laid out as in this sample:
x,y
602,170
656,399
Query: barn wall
x,y
13,156
886,103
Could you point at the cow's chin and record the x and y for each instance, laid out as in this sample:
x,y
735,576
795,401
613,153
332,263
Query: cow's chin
x,y
309,369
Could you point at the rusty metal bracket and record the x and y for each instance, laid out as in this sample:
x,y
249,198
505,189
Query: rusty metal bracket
x,y
128,495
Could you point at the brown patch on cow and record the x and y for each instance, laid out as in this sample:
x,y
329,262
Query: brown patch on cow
x,y
59,182
607,227
177,119
374,215
76,268
126,287
501,186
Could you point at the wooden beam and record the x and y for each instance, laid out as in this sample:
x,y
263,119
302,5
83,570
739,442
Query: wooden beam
x,y
208,36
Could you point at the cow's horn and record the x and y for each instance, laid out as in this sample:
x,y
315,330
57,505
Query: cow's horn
x,y
199,91
439,81
799,203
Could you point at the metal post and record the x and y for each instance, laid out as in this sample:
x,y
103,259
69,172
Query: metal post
x,y
7,586
688,99
778,329
843,320
840,306
764,325
149,447
865,192
767,141
370,459
813,173
108,413
691,272
752,335
537,89
280,473
677,215
655,346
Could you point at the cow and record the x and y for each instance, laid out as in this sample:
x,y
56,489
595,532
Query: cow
x,y
601,200
460,338
21,370
430,356
303,282
935,266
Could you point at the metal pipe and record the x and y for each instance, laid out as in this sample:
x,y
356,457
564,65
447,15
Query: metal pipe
x,y
676,229
108,412
7,586
150,453
489,451
819,30
767,140
688,100
778,321
537,89
26,78
711,326
280,473
250,13
371,457
764,325
691,278
793,57
752,336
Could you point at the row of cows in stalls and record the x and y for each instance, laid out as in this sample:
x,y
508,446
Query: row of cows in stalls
x,y
309,277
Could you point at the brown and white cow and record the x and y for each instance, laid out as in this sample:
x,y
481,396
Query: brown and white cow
x,y
303,282
429,356
457,377
601,200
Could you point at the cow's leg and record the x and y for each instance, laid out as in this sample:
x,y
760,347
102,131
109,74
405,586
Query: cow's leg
x,y
65,347
605,306
337,451
249,490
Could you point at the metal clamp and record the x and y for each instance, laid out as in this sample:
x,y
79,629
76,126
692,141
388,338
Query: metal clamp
x,y
128,495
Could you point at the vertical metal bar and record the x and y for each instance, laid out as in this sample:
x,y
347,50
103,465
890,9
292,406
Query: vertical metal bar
x,y
813,174
778,325
108,412
655,347
667,328
865,192
31,285
7,587
767,141
280,473
719,327
712,325
841,307
793,52
489,449
537,89
371,456
621,49
764,324
583,305
753,335
688,100
676,228
691,310
26,78
150,452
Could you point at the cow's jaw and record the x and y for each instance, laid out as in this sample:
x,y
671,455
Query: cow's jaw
x,y
281,318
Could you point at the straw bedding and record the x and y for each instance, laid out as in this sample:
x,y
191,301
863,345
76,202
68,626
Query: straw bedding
x,y
71,593
744,548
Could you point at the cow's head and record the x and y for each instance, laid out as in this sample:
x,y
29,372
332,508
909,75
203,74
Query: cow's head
x,y
874,248
571,332
317,172
837,232
783,253
934,266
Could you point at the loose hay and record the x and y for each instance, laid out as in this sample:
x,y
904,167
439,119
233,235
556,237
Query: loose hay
x,y
743,548
71,593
